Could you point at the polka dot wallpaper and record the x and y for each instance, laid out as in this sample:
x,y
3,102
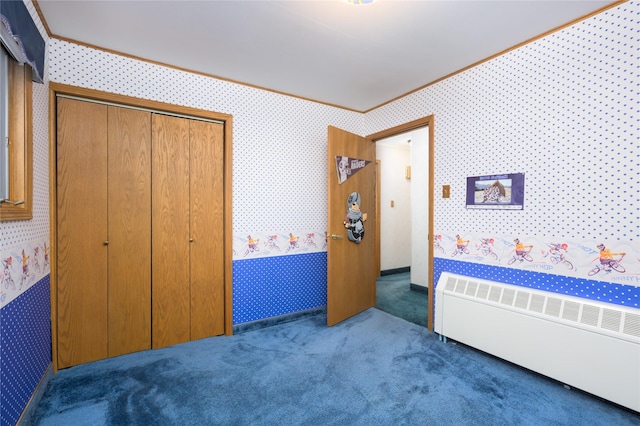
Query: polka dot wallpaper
x,y
25,315
279,142
18,232
25,349
617,293
279,285
563,110
279,161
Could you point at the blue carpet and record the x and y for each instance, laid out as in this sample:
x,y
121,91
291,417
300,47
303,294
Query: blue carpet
x,y
373,369
394,296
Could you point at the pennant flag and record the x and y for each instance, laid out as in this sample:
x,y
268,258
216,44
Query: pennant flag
x,y
347,167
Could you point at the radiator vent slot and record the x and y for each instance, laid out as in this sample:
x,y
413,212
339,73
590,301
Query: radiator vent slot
x,y
553,307
631,324
590,315
571,311
522,299
494,293
472,287
483,291
451,284
537,303
611,319
461,286
507,296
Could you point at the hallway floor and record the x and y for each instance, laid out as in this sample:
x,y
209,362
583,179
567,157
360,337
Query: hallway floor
x,y
394,296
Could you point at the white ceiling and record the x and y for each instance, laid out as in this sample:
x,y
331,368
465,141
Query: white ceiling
x,y
356,57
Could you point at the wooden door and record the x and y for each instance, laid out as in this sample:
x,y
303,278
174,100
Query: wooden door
x,y
170,231
129,230
82,231
207,228
350,266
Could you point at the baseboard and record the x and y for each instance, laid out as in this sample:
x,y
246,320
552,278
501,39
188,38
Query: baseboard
x,y
395,271
419,288
28,411
281,319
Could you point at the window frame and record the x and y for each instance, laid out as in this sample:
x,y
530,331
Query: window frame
x,y
20,144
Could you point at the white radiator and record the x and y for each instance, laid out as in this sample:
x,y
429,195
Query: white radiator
x,y
588,345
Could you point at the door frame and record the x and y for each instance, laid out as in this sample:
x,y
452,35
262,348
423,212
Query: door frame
x,y
427,121
132,102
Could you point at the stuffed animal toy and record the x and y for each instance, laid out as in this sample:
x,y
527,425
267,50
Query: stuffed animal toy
x,y
354,220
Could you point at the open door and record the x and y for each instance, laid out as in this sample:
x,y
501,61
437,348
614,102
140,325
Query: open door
x,y
351,275
427,121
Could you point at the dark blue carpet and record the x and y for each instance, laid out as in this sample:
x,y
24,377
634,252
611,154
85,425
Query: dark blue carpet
x,y
394,296
373,369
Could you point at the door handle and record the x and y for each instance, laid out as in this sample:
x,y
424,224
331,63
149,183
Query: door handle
x,y
336,237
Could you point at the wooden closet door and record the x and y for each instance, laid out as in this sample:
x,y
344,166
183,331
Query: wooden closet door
x,y
170,231
129,231
81,232
207,229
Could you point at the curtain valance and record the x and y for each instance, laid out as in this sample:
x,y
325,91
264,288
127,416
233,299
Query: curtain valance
x,y
21,36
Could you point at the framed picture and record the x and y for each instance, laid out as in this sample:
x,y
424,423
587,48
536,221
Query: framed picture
x,y
498,192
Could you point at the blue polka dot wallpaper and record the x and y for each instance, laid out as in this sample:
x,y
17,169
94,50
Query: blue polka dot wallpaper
x,y
25,314
271,286
562,110
619,294
25,348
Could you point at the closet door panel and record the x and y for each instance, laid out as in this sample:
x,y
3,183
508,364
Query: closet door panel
x,y
81,232
207,247
129,230
170,231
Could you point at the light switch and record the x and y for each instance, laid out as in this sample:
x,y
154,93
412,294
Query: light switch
x,y
392,203
446,191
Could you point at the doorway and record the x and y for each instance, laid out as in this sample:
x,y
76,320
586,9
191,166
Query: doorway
x,y
402,287
405,237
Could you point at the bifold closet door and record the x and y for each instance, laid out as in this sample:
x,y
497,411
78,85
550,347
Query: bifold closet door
x,y
81,232
188,230
129,231
103,231
206,228
170,231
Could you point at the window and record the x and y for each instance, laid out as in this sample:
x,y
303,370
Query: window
x,y
16,150
4,123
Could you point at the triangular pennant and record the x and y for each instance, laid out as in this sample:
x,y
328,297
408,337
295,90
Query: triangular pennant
x,y
347,167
